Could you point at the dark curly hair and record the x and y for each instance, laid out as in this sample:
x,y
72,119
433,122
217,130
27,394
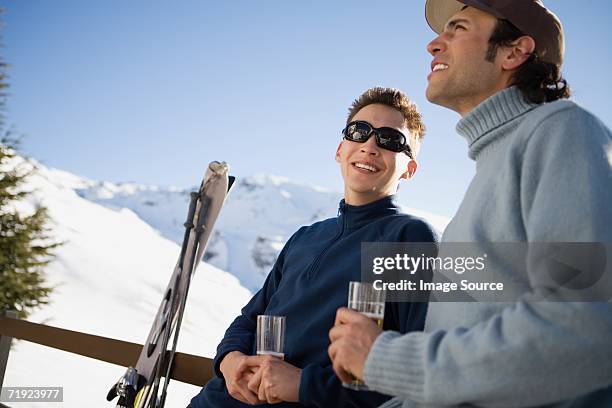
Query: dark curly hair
x,y
539,81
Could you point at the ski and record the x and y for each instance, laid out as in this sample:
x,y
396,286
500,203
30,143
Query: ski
x,y
140,386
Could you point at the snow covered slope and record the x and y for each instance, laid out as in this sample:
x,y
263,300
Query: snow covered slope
x,y
108,278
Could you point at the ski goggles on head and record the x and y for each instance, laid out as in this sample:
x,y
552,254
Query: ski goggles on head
x,y
388,138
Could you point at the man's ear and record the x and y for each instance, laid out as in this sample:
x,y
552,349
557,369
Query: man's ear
x,y
411,168
338,152
518,52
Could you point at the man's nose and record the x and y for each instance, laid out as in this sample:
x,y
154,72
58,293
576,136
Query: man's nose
x,y
370,147
435,46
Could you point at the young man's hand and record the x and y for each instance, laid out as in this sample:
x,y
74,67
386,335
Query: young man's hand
x,y
276,380
237,371
351,338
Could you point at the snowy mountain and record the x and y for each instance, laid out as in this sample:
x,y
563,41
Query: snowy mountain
x,y
121,244
259,216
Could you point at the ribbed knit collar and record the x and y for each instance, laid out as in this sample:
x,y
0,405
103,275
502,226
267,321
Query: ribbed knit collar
x,y
492,113
356,216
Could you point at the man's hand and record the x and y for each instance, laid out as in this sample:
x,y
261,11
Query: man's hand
x,y
237,371
276,381
351,338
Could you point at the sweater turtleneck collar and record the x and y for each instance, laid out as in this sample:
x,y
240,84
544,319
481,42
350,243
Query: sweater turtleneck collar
x,y
492,113
355,216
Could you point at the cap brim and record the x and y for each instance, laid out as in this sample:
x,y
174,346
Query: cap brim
x,y
438,12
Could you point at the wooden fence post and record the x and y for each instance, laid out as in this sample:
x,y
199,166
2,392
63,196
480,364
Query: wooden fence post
x,y
5,347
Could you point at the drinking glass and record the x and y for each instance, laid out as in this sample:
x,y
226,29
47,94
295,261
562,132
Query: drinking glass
x,y
370,302
271,335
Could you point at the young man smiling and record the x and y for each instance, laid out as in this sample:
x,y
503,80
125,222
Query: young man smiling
x,y
310,278
543,174
369,172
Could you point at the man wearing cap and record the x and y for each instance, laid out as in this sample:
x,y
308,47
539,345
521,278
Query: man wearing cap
x,y
543,174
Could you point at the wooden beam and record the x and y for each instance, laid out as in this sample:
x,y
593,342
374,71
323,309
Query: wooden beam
x,y
187,368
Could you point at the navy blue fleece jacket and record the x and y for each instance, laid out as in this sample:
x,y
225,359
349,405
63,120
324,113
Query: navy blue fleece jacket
x,y
308,283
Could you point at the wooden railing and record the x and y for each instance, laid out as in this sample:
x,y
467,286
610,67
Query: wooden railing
x,y
186,368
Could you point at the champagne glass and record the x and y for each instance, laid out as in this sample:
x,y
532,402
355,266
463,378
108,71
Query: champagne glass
x,y
370,302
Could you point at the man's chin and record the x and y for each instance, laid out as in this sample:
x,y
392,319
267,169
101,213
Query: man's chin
x,y
433,94
362,188
438,97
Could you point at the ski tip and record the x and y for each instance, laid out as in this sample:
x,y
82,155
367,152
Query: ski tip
x,y
219,167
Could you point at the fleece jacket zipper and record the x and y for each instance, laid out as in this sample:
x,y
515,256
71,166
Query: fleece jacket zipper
x,y
315,264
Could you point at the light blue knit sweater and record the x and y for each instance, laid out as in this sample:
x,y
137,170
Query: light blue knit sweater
x,y
543,174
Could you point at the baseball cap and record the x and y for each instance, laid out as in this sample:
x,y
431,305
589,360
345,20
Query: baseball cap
x,y
529,16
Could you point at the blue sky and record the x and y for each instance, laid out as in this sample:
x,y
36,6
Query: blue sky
x,y
151,91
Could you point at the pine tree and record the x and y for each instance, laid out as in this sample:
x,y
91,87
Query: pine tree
x,y
25,245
